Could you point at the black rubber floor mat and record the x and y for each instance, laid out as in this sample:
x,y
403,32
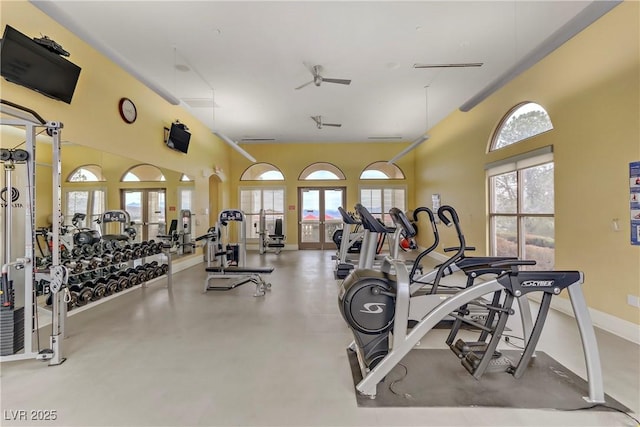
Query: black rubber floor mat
x,y
436,378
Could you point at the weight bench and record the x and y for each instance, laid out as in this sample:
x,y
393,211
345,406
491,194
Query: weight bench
x,y
238,276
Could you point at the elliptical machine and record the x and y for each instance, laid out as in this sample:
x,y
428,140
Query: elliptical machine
x,y
377,304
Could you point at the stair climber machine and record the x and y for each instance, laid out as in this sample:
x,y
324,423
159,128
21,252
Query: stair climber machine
x,y
18,306
376,306
226,260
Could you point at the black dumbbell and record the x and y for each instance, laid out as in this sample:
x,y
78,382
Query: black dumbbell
x,y
132,277
83,294
98,287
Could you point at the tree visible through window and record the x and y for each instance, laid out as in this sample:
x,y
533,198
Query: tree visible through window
x,y
522,122
522,214
521,191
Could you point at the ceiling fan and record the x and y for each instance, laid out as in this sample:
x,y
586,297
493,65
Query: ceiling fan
x,y
320,124
318,79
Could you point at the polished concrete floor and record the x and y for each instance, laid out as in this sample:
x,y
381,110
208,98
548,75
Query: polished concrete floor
x,y
157,358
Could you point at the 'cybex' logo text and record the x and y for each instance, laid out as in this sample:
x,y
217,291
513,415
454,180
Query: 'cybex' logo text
x,y
537,283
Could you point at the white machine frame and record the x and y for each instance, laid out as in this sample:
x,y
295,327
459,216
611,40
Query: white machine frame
x,y
30,120
237,275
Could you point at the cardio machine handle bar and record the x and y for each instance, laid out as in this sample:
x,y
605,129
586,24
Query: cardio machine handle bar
x,y
432,220
455,221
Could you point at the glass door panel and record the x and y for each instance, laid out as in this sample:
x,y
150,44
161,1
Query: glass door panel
x,y
147,211
309,218
156,208
319,216
132,203
333,199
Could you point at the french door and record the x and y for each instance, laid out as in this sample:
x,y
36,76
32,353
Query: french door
x,y
147,209
318,216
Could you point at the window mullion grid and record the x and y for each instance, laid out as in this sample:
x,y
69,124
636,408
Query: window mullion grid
x,y
519,214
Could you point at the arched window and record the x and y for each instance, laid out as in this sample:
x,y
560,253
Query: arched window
x,y
86,173
321,171
521,190
382,170
521,122
185,178
143,173
262,172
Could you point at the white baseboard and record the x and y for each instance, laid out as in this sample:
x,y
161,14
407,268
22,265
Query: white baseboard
x,y
620,327
185,263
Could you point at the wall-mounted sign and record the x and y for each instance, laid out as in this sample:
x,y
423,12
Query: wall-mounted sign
x,y
634,201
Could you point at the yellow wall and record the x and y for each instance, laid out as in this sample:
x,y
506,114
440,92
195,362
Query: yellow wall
x,y
350,158
590,87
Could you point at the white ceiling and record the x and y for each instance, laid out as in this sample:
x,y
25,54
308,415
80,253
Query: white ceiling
x,y
249,56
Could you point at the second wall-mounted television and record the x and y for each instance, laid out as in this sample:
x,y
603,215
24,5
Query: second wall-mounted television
x,y
27,63
178,138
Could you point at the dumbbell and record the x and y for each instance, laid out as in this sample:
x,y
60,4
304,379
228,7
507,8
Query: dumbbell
x,y
125,254
75,266
132,276
89,263
111,287
137,251
97,248
123,280
87,250
76,252
82,294
98,287
141,273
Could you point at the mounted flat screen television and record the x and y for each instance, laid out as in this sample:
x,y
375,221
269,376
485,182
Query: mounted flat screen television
x,y
178,138
27,63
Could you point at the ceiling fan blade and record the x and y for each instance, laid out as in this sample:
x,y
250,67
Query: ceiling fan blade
x,y
335,125
306,84
453,65
316,119
339,81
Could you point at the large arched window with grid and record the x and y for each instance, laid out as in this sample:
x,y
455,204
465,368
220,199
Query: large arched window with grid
x,y
521,195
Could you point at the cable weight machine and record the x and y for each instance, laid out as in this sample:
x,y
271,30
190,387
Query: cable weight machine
x,y
18,316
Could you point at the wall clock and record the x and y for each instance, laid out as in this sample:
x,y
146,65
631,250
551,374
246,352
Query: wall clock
x,y
127,110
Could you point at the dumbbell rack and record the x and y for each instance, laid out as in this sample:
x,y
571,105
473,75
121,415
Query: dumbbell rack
x,y
104,268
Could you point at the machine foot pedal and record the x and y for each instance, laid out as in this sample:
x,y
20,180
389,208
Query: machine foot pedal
x,y
462,348
498,363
